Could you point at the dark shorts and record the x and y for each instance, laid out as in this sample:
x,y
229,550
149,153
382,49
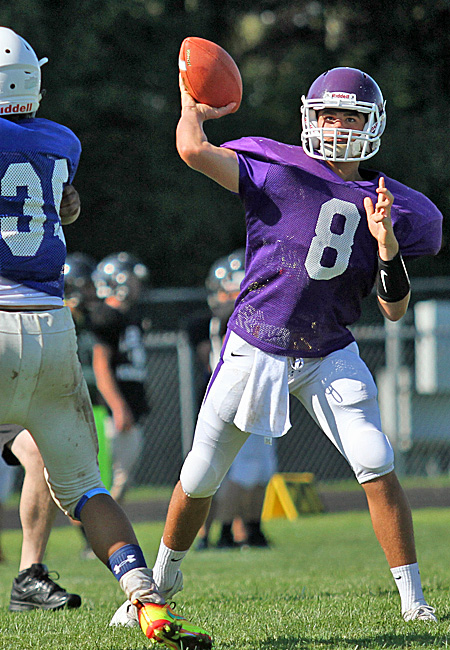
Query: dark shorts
x,y
8,432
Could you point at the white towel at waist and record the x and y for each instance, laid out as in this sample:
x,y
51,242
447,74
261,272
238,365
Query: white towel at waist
x,y
264,405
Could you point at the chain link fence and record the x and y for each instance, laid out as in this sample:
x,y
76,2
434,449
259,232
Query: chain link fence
x,y
411,365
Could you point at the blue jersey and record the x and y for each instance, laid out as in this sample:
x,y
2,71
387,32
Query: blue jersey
x,y
37,159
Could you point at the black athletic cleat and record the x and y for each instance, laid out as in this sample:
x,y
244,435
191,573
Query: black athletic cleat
x,y
34,589
202,544
258,539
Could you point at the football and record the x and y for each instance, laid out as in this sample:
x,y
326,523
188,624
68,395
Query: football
x,y
209,73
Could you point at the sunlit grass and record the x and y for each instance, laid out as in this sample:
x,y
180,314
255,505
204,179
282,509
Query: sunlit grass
x,y
324,585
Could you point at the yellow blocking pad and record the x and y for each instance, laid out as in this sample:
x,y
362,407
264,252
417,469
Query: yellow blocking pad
x,y
290,493
104,450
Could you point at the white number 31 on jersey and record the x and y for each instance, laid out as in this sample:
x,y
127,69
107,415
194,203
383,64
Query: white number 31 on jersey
x,y
26,244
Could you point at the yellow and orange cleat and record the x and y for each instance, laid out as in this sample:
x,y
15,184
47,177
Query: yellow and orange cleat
x,y
160,623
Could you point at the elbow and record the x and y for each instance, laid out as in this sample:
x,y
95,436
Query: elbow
x,y
190,155
394,311
394,316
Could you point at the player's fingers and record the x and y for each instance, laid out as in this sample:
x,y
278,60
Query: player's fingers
x,y
181,83
381,183
224,110
70,203
212,113
70,194
186,97
368,206
382,203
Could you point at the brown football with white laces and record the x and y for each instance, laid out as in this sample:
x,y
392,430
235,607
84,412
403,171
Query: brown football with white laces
x,y
209,73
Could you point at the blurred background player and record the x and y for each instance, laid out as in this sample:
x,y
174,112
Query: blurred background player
x,y
81,298
7,476
33,588
120,360
238,502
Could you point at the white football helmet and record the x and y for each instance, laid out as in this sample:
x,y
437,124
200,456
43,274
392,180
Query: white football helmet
x,y
343,89
20,75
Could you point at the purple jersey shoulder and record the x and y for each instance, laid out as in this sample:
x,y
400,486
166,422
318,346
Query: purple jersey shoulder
x,y
416,219
310,256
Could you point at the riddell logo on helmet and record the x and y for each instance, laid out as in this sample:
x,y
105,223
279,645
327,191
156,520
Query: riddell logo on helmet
x,y
340,95
18,108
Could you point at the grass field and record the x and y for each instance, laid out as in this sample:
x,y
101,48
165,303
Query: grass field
x,y
324,585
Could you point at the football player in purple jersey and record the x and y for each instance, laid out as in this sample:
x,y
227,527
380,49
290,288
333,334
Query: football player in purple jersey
x,y
42,387
321,232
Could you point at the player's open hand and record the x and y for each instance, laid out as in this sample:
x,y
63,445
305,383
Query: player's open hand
x,y
380,223
206,112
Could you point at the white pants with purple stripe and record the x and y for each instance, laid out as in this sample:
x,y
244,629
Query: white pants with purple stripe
x,y
338,391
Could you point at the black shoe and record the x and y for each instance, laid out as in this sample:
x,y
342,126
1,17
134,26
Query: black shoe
x,y
202,544
227,542
34,589
257,539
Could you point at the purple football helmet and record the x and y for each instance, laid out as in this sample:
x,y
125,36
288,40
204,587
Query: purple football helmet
x,y
343,89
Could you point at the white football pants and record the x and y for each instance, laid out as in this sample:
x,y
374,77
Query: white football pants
x,y
42,389
338,392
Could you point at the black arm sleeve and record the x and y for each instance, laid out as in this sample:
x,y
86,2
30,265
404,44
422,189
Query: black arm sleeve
x,y
392,279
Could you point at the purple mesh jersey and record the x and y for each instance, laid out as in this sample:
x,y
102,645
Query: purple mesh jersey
x,y
37,159
310,257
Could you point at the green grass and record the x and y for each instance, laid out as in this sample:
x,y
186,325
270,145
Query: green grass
x,y
164,492
324,585
350,485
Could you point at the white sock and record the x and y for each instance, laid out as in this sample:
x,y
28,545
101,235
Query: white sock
x,y
139,584
407,579
166,566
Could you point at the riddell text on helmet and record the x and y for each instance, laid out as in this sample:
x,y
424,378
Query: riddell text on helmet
x,y
18,108
340,95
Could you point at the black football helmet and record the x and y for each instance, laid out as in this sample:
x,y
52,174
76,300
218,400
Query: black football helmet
x,y
117,275
78,284
223,283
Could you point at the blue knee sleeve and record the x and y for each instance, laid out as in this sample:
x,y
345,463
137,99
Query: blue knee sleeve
x,y
88,495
